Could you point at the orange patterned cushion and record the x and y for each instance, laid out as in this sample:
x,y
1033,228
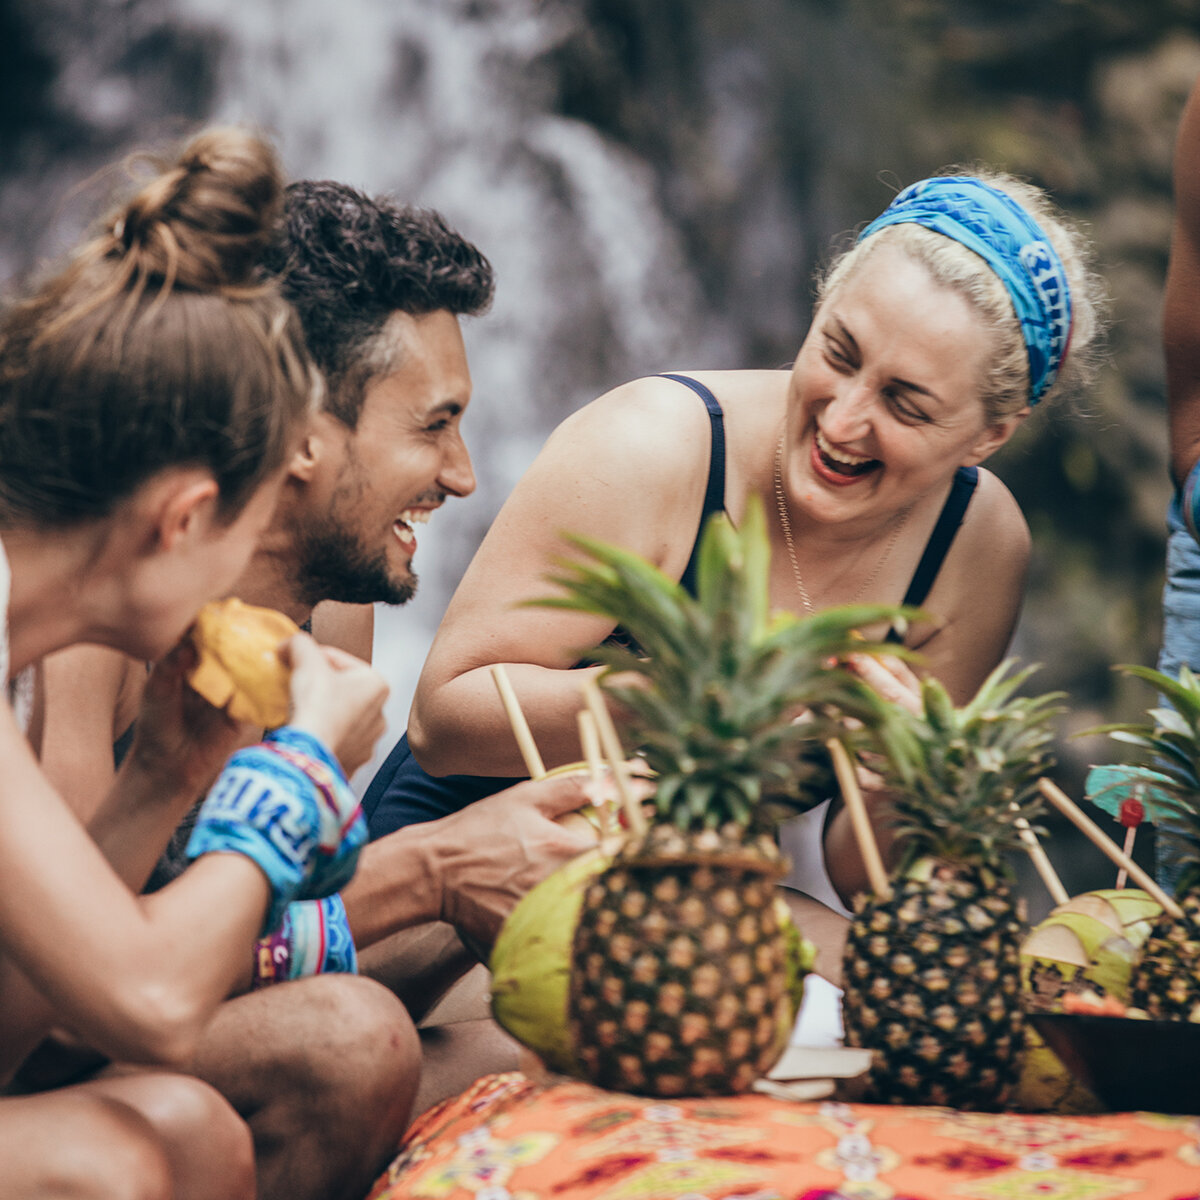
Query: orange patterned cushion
x,y
507,1138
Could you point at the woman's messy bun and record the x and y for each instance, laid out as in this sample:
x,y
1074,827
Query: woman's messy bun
x,y
204,222
158,345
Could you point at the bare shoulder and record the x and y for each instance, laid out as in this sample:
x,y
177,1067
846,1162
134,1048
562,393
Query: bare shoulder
x,y
994,520
349,627
976,598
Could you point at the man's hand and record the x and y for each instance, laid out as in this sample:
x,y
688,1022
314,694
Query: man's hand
x,y
492,852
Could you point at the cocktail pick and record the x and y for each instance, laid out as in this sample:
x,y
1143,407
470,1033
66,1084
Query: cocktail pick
x,y
1129,795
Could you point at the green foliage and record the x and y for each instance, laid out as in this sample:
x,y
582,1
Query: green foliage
x,y
718,682
962,777
1170,742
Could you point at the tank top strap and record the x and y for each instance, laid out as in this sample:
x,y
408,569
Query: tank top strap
x,y
936,549
714,492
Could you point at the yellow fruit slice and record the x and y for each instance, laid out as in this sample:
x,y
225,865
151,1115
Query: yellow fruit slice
x,y
239,668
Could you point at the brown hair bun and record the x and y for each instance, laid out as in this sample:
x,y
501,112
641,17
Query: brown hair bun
x,y
239,668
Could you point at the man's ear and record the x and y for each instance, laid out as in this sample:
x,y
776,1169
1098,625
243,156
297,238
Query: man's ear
x,y
186,506
307,459
994,436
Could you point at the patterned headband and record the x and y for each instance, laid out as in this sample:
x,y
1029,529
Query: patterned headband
x,y
1006,237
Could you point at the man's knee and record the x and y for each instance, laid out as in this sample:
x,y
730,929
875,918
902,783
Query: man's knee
x,y
332,1040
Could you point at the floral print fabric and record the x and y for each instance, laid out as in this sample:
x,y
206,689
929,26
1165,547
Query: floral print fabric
x,y
508,1138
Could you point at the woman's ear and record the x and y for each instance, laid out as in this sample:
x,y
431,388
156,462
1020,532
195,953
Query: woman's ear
x,y
187,505
994,436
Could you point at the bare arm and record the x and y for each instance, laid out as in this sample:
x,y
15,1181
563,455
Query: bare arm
x,y
469,868
1181,309
139,977
629,468
91,695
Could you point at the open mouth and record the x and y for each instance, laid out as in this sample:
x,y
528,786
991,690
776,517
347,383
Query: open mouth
x,y
842,462
402,526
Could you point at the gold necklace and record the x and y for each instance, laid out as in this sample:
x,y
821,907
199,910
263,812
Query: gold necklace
x,y
786,522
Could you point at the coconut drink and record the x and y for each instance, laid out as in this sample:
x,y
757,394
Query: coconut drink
x,y
1085,949
667,966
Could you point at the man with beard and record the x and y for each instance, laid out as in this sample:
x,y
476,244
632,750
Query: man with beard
x,y
313,1064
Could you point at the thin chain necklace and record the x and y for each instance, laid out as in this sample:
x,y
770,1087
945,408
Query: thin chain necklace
x,y
786,522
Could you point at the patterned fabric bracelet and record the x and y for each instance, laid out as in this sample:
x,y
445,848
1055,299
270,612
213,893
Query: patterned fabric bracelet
x,y
314,939
338,804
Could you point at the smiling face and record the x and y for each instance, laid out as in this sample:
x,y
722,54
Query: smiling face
x,y
884,400
375,482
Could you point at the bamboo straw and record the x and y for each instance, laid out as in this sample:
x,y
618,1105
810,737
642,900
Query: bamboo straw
x,y
520,727
859,820
1096,836
1041,863
589,739
615,755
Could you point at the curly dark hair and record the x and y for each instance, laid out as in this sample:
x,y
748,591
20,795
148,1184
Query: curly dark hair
x,y
348,261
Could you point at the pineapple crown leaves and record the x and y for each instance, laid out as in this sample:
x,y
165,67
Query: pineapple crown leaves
x,y
961,778
716,681
1170,740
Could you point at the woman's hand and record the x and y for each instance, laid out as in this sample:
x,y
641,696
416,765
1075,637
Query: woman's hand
x,y
179,735
891,677
337,698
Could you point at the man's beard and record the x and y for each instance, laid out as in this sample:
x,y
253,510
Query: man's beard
x,y
335,565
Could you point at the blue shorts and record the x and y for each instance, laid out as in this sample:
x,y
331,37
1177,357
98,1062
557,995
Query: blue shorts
x,y
1180,640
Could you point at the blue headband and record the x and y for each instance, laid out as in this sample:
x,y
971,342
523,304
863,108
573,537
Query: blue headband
x,y
1006,237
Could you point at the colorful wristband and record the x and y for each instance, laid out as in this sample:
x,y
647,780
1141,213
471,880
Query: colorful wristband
x,y
314,939
284,803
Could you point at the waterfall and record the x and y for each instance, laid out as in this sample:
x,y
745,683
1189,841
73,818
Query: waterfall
x,y
443,104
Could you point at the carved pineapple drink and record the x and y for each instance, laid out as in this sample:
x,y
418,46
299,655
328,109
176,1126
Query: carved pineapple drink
x,y
932,976
680,980
1166,978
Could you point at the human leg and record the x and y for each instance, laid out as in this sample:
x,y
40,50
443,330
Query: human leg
x,y
80,1144
1180,647
325,1071
420,965
208,1148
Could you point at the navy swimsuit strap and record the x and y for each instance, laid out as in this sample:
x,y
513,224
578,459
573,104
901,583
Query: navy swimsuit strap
x,y
714,493
961,491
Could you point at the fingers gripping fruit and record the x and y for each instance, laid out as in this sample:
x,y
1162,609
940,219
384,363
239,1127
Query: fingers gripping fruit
x,y
239,668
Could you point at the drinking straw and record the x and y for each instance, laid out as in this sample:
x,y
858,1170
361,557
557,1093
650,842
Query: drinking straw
x,y
859,821
613,752
1096,836
520,727
589,739
1041,863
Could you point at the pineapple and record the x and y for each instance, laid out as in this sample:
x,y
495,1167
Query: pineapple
x,y
1166,978
932,975
680,982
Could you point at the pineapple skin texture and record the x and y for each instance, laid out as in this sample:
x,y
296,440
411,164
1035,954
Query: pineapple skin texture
x,y
1166,979
932,986
679,979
